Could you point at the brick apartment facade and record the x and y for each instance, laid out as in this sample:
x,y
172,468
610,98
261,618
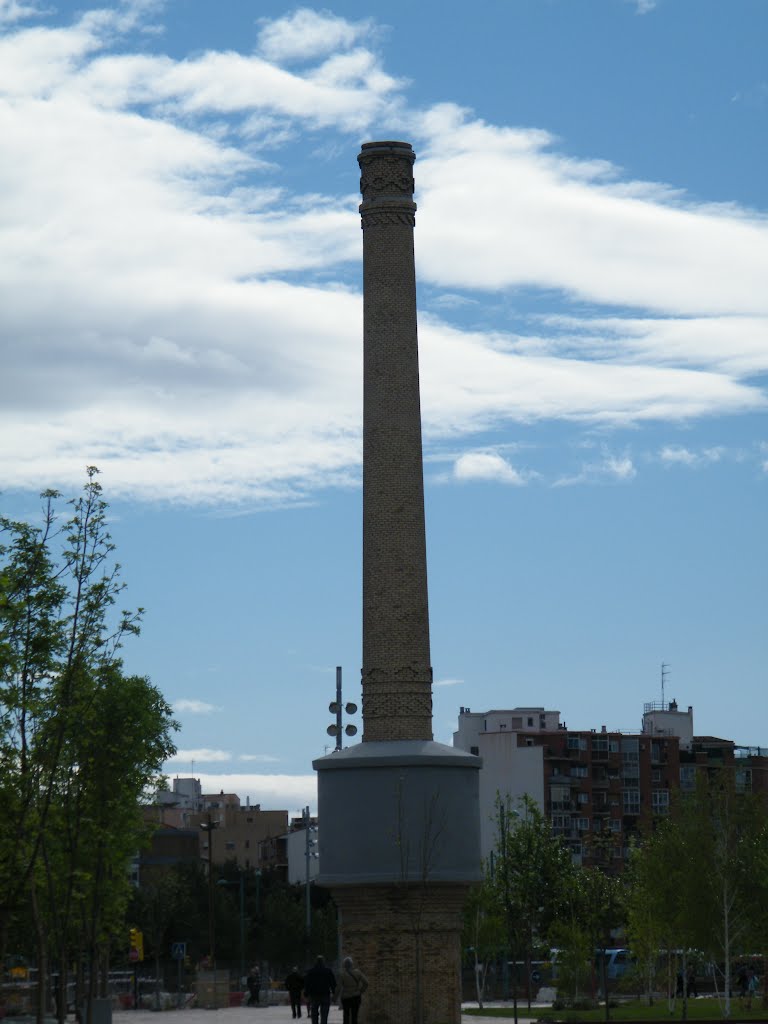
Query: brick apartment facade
x,y
597,787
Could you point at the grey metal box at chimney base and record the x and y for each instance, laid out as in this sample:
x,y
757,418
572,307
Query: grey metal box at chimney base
x,y
398,811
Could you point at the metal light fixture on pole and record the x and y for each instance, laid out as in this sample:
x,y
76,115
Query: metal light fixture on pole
x,y
335,707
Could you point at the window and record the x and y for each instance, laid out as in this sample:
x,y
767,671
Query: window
x,y
579,771
660,801
743,780
229,845
583,798
614,824
582,824
613,746
600,743
560,821
631,801
530,723
560,798
687,776
656,775
529,741
517,723
577,743
247,844
475,750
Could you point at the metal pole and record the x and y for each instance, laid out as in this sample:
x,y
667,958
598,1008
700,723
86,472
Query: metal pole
x,y
242,927
308,922
338,707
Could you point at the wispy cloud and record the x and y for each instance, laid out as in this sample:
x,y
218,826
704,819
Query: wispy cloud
x,y
201,755
195,707
676,455
14,10
261,758
448,682
609,468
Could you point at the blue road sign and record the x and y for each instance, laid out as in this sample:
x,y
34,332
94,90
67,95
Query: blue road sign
x,y
178,950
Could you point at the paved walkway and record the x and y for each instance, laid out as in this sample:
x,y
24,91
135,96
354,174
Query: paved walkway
x,y
237,1015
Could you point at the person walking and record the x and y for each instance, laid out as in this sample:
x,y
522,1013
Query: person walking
x,y
352,984
294,983
752,985
319,986
254,984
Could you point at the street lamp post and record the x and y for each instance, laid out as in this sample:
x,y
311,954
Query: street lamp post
x,y
241,883
308,855
209,827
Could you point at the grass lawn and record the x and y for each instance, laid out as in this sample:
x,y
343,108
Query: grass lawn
x,y
698,1009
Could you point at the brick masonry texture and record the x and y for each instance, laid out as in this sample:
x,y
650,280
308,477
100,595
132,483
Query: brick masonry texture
x,y
396,673
395,933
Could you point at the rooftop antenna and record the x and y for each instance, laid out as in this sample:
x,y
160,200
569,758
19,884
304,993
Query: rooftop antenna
x,y
664,674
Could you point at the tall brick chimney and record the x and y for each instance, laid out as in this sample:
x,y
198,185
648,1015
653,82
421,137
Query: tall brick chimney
x,y
396,673
399,841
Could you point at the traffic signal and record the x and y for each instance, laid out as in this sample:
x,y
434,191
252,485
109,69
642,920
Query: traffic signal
x,y
136,944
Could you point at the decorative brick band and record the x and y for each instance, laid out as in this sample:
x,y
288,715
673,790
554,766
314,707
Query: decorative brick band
x,y
385,218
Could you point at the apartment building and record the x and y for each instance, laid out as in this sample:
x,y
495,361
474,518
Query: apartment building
x,y
237,833
596,786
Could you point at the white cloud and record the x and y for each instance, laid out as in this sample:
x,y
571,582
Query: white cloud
x,y
261,758
544,219
13,10
172,312
306,33
272,792
643,6
677,455
195,707
482,465
448,682
609,468
201,755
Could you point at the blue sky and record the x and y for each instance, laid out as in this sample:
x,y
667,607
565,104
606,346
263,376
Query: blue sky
x,y
180,305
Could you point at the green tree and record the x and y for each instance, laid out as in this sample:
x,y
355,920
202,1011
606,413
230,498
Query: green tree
x,y
701,868
531,873
483,933
79,741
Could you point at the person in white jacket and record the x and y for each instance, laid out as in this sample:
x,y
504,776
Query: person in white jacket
x,y
352,984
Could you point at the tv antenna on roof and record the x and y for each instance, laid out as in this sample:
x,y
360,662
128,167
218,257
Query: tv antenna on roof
x,y
664,674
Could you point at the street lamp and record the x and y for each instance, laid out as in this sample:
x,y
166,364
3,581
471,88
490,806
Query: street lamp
x,y
308,854
208,827
241,883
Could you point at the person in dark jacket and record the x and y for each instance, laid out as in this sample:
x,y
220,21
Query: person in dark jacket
x,y
254,985
319,987
294,983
